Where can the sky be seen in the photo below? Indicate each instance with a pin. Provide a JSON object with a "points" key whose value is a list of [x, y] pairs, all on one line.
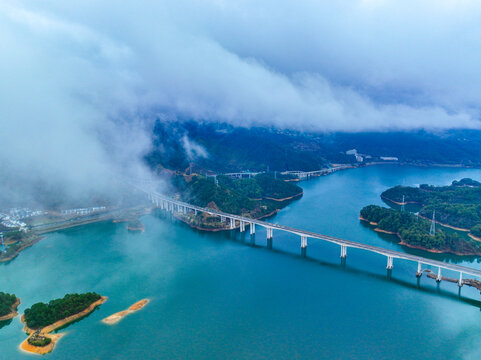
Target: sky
{"points": [[82, 82]]}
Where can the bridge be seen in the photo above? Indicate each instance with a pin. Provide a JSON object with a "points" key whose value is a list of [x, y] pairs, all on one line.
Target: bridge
{"points": [[236, 221], [301, 175]]}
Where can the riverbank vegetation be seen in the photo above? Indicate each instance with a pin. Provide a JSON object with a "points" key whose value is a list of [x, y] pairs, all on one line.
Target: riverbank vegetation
{"points": [[41, 315], [414, 231], [457, 205], [7, 301]]}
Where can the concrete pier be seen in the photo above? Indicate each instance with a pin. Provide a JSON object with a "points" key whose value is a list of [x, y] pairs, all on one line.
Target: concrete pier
{"points": [[419, 272], [269, 233], [343, 251], [389, 263], [303, 241], [252, 228]]}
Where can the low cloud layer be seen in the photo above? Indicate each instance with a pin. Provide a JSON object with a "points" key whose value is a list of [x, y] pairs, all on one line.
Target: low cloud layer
{"points": [[81, 83]]}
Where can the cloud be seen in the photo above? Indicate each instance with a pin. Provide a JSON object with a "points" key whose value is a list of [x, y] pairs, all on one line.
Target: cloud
{"points": [[81, 83], [192, 149]]}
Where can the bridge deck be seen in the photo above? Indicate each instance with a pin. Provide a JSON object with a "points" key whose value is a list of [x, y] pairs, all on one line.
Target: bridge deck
{"points": [[313, 235]]}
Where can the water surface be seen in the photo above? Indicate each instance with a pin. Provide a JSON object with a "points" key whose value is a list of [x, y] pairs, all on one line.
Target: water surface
{"points": [[216, 297]]}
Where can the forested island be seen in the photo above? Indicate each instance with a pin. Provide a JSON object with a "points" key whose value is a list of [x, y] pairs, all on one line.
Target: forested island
{"points": [[43, 318], [256, 197], [457, 205], [414, 231], [8, 306], [41, 314]]}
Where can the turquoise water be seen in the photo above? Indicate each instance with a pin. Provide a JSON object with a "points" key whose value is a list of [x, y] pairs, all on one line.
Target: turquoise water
{"points": [[213, 296]]}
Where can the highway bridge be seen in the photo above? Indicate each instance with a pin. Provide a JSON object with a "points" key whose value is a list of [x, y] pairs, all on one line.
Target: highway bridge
{"points": [[301, 175], [236, 221]]}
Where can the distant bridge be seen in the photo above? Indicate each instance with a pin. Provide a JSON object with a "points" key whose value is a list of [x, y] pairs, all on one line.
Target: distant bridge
{"points": [[234, 221], [301, 175]]}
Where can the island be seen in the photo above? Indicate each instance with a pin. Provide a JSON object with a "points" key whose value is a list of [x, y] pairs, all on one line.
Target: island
{"points": [[41, 319], [257, 197], [115, 318], [8, 306], [457, 206]]}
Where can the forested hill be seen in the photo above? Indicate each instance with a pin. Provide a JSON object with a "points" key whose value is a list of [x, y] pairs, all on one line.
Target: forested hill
{"points": [[227, 148], [414, 231], [255, 197], [458, 204]]}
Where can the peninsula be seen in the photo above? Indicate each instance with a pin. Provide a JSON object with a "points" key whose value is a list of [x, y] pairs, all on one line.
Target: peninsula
{"points": [[41, 319]]}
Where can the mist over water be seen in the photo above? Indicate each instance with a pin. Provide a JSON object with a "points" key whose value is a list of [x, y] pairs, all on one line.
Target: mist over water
{"points": [[214, 296]]}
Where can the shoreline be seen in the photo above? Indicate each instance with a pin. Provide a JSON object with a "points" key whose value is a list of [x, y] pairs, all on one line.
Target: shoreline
{"points": [[13, 312], [475, 238], [67, 225], [115, 318], [45, 331], [419, 247], [287, 198]]}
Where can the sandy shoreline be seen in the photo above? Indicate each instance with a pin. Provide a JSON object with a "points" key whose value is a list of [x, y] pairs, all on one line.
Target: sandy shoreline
{"points": [[115, 318], [41, 350], [475, 238], [287, 198], [13, 313]]}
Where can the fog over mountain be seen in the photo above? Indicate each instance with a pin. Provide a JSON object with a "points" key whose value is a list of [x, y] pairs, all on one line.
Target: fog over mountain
{"points": [[82, 83]]}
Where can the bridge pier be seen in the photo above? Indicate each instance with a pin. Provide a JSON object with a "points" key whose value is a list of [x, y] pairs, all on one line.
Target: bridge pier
{"points": [[242, 226], [389, 263], [460, 281], [252, 228], [439, 277], [419, 272], [269, 233], [303, 241], [231, 223], [343, 251]]}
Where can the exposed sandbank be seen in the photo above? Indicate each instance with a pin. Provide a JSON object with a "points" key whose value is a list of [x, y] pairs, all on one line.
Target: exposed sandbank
{"points": [[115, 318]]}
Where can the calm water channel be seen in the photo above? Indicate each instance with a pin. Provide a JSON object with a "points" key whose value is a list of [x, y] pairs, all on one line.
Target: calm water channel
{"points": [[215, 297]]}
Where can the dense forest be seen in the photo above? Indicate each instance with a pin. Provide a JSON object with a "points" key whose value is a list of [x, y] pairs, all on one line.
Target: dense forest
{"points": [[41, 314], [6, 302], [251, 197], [457, 205], [414, 231], [227, 148]]}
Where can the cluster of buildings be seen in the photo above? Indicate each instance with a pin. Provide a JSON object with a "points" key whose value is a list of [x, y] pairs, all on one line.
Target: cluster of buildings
{"points": [[83, 211], [12, 219], [362, 157]]}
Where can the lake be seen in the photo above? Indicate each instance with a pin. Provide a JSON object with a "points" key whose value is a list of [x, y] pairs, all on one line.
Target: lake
{"points": [[215, 296]]}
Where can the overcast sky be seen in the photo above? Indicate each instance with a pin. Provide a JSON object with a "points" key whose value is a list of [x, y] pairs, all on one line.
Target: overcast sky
{"points": [[83, 80]]}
